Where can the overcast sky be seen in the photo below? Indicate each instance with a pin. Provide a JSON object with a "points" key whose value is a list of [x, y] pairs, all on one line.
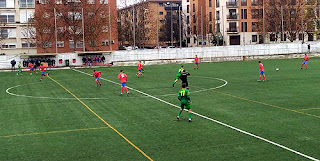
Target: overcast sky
{"points": [[122, 3]]}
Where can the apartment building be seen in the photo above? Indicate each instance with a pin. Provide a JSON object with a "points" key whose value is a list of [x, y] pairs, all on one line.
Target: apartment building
{"points": [[76, 26], [14, 28], [150, 19]]}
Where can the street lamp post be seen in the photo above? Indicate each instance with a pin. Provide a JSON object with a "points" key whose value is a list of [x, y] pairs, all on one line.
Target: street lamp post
{"points": [[171, 13]]}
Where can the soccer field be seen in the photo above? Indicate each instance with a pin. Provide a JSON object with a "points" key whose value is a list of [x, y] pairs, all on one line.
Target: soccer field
{"points": [[67, 117]]}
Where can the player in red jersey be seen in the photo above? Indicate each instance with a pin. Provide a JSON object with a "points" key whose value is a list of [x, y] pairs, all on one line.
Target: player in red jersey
{"points": [[43, 69], [123, 79], [31, 68], [261, 72], [305, 61], [140, 69], [97, 75], [196, 62]]}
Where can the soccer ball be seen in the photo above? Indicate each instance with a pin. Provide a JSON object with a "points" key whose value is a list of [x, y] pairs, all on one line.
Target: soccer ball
{"points": [[277, 69]]}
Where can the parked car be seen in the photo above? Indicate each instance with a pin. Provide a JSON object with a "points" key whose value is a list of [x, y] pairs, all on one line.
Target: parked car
{"points": [[170, 47], [131, 47]]}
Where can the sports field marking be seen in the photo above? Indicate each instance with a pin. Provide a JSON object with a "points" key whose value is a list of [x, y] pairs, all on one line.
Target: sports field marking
{"points": [[52, 132], [216, 121], [309, 109], [143, 153], [107, 98]]}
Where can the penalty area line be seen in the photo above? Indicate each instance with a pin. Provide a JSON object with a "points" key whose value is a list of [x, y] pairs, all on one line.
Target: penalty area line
{"points": [[213, 120]]}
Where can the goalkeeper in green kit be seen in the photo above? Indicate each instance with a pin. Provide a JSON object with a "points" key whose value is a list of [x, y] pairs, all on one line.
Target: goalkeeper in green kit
{"points": [[184, 97]]}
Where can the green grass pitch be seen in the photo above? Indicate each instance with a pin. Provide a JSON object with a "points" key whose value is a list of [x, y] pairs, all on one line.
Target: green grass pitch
{"points": [[42, 121]]}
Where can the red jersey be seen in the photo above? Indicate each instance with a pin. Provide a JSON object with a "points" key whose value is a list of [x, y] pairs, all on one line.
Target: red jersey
{"points": [[139, 66], [96, 74], [30, 65], [122, 77], [261, 67], [196, 59], [43, 68], [306, 58]]}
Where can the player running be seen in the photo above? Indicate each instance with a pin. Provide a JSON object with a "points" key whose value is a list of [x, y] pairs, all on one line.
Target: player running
{"points": [[261, 72], [139, 69], [43, 70], [305, 61], [196, 62], [178, 75], [31, 68], [97, 75], [20, 69], [123, 79], [184, 78], [184, 97]]}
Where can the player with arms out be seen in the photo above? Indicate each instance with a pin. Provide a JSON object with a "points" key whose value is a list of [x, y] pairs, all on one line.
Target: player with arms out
{"points": [[43, 70], [185, 100], [184, 78], [139, 69], [123, 79], [31, 68], [305, 61], [261, 72], [178, 75], [97, 75], [196, 62], [20, 69]]}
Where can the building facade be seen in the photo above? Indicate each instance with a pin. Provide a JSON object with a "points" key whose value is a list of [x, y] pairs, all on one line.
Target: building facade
{"points": [[75, 26], [14, 37], [152, 23]]}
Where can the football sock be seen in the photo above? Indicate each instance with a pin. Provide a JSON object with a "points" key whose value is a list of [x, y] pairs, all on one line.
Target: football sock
{"points": [[264, 78], [179, 113], [121, 89], [190, 115], [301, 66], [260, 77], [41, 77], [125, 88], [306, 66]]}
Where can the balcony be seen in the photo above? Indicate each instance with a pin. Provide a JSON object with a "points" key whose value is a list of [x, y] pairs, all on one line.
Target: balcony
{"points": [[232, 17], [232, 30], [232, 4], [217, 18]]}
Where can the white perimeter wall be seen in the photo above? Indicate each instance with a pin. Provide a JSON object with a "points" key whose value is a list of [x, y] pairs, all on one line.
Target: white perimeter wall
{"points": [[184, 55]]}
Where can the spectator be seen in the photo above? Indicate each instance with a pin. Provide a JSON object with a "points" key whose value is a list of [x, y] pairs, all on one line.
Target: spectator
{"points": [[24, 63], [89, 61], [100, 60], [13, 63], [53, 62], [309, 48], [83, 60], [103, 59]]}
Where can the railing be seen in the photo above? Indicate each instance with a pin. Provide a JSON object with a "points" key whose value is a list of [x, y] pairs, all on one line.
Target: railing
{"points": [[233, 16], [232, 4], [233, 29]]}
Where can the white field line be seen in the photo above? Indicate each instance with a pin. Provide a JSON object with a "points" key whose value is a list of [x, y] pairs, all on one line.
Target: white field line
{"points": [[216, 121]]}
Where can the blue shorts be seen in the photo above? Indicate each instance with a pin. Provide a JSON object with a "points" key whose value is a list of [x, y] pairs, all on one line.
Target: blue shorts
{"points": [[97, 79], [261, 72], [123, 84], [196, 63], [140, 71], [31, 69], [42, 73], [305, 62]]}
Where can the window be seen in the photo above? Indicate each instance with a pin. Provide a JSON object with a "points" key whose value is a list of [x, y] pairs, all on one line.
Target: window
{"points": [[217, 3], [272, 37], [9, 46], [46, 30], [194, 19], [104, 28], [243, 2], [60, 29], [188, 6], [71, 44], [244, 14], [47, 44], [256, 13], [79, 44], [188, 19], [283, 37], [103, 1], [218, 27], [194, 7], [160, 13], [25, 16], [105, 42], [103, 15], [254, 26], [60, 44], [74, 15], [44, 1], [92, 43], [58, 15], [75, 29], [26, 3], [210, 28], [46, 15], [210, 3], [7, 17], [194, 29], [210, 16], [301, 36], [91, 2], [3, 3], [244, 27], [254, 38], [4, 33], [58, 1], [160, 4], [217, 15]]}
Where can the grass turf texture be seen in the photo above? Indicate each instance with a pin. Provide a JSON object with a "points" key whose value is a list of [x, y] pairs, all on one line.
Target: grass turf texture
{"points": [[268, 109]]}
